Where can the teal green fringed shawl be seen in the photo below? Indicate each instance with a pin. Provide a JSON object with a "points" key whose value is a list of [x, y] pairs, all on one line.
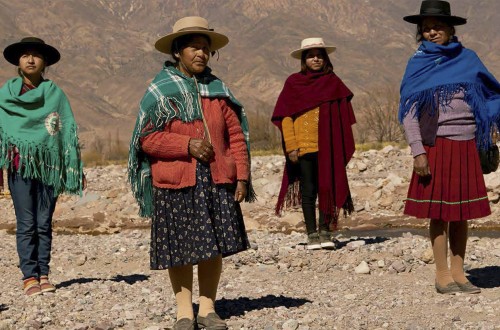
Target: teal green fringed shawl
{"points": [[172, 95], [41, 125]]}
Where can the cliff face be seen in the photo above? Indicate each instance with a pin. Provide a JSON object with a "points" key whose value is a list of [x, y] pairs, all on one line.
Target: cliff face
{"points": [[108, 56]]}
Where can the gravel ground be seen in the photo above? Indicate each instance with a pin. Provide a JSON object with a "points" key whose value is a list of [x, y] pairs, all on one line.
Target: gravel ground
{"points": [[104, 282]]}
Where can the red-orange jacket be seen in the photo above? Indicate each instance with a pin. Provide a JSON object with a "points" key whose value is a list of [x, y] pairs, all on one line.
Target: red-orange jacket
{"points": [[173, 167]]}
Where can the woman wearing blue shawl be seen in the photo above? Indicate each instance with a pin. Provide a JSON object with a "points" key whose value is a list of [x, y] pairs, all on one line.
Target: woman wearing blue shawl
{"points": [[449, 107]]}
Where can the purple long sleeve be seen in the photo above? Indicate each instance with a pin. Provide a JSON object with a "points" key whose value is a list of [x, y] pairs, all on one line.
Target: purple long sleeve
{"points": [[455, 122]]}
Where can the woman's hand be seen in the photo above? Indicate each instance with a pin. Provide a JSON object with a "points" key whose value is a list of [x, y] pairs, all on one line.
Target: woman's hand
{"points": [[421, 165], [241, 191], [201, 149], [294, 156]]}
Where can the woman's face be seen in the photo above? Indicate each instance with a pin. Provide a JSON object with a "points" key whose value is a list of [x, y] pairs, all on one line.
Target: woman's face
{"points": [[314, 60], [31, 63], [193, 58], [436, 31]]}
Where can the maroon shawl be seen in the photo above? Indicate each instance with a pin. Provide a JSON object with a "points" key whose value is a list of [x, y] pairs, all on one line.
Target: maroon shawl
{"points": [[301, 93]]}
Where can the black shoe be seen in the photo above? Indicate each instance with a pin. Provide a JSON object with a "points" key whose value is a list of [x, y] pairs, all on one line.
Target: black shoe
{"points": [[325, 239], [313, 242]]}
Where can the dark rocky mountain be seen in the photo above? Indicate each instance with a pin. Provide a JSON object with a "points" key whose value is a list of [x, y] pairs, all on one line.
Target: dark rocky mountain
{"points": [[108, 56]]}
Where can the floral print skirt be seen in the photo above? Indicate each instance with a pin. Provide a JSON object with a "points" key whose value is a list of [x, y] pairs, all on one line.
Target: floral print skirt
{"points": [[197, 223]]}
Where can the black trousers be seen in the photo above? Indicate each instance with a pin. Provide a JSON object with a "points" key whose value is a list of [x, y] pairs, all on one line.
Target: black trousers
{"points": [[309, 191]]}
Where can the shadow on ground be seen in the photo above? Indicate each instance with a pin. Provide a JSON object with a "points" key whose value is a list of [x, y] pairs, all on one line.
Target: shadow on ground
{"points": [[486, 277], [370, 240], [3, 307], [238, 307], [129, 279]]}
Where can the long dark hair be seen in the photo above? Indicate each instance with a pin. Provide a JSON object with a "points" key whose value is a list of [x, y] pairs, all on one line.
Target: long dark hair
{"points": [[327, 66]]}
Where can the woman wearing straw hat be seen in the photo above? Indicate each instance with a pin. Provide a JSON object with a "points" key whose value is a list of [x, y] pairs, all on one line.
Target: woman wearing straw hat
{"points": [[449, 104], [189, 168], [39, 147], [314, 115]]}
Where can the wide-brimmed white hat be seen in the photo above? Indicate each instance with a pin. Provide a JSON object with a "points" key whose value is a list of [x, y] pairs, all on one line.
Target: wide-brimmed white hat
{"points": [[310, 43], [191, 25]]}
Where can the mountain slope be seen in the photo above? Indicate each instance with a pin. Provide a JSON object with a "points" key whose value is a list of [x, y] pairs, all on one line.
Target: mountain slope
{"points": [[108, 56]]}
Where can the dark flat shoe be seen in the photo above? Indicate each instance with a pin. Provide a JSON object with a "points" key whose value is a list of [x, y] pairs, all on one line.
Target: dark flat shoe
{"points": [[211, 322], [184, 324], [451, 288], [468, 287]]}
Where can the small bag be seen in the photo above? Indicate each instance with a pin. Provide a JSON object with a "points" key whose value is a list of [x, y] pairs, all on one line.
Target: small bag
{"points": [[491, 157]]}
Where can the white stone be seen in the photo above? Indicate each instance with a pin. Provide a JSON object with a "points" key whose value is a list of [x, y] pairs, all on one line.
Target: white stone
{"points": [[362, 268]]}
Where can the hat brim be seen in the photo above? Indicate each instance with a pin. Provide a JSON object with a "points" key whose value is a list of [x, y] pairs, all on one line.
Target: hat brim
{"points": [[297, 54], [13, 52], [217, 40], [452, 20]]}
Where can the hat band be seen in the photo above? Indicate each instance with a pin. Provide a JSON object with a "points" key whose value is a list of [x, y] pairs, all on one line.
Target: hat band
{"points": [[430, 11], [314, 45], [194, 28]]}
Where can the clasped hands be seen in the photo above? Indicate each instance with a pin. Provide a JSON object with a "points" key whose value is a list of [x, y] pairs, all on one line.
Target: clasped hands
{"points": [[203, 151]]}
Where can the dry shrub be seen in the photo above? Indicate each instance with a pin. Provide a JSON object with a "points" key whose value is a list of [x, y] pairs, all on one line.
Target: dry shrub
{"points": [[377, 116], [264, 136], [105, 151]]}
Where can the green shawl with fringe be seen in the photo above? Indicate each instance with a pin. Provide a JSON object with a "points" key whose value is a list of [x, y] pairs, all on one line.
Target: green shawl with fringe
{"points": [[171, 95], [41, 125]]}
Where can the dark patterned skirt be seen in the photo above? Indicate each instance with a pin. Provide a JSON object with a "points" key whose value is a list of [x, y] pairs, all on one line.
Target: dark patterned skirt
{"points": [[455, 191], [197, 223]]}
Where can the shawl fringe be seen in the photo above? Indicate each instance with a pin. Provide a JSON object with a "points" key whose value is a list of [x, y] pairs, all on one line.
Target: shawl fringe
{"points": [[38, 162], [158, 109], [432, 99]]}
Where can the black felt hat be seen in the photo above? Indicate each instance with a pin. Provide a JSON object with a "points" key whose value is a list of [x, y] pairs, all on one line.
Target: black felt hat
{"points": [[13, 52], [438, 9]]}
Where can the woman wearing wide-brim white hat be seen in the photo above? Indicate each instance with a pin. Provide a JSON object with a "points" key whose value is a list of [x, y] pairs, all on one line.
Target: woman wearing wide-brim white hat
{"points": [[314, 115], [310, 43], [191, 25], [189, 167]]}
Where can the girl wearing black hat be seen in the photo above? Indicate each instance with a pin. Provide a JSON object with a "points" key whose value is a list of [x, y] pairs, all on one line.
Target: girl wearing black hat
{"points": [[39, 147], [450, 105]]}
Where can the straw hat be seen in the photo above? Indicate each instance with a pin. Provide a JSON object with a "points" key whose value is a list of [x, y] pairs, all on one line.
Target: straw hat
{"points": [[13, 52], [191, 25], [435, 8], [309, 43]]}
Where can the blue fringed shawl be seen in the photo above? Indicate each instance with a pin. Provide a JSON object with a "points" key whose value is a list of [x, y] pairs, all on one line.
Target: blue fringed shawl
{"points": [[436, 73]]}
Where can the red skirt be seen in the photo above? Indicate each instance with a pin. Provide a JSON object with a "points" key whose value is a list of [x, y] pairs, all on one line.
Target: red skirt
{"points": [[455, 191]]}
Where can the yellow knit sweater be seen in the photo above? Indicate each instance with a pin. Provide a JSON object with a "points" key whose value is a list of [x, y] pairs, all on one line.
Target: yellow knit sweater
{"points": [[301, 134]]}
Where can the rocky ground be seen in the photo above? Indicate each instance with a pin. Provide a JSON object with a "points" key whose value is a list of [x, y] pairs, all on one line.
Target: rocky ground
{"points": [[378, 278]]}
